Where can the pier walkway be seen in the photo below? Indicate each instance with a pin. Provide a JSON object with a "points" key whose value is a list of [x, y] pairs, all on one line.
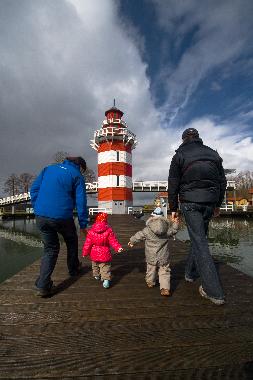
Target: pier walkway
{"points": [[127, 331]]}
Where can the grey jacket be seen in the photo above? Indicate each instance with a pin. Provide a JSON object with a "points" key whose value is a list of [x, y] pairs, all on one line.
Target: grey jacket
{"points": [[156, 236]]}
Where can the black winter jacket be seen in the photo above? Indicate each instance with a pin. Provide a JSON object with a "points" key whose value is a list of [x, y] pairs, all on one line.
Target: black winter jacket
{"points": [[196, 175]]}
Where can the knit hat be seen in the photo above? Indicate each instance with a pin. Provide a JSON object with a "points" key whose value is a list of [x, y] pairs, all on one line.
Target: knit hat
{"points": [[78, 161], [190, 132], [101, 217], [157, 212]]}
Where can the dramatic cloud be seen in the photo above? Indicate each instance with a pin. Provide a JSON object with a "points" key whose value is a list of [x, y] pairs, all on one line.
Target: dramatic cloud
{"points": [[64, 61], [205, 35], [62, 64]]}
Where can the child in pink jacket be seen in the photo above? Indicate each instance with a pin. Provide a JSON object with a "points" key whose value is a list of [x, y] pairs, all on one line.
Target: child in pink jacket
{"points": [[97, 244]]}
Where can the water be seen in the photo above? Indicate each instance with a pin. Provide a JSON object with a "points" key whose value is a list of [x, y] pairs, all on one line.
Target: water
{"points": [[20, 246], [230, 240]]}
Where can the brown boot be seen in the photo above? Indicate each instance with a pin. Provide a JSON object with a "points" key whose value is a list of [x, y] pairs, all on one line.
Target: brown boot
{"points": [[165, 292], [150, 284]]}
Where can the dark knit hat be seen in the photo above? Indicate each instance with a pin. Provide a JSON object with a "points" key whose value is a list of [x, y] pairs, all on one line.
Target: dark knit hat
{"points": [[78, 161], [190, 132]]}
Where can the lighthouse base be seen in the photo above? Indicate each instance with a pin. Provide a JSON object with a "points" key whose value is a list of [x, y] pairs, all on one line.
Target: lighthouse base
{"points": [[117, 207]]}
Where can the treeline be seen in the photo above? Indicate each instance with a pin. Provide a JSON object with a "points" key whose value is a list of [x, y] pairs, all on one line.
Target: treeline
{"points": [[243, 181], [21, 183]]}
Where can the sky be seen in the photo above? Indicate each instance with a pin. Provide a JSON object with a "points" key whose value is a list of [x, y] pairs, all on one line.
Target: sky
{"points": [[170, 65]]}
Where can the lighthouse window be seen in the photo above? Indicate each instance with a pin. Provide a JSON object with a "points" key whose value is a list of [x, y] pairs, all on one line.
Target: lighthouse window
{"points": [[117, 184], [117, 157]]}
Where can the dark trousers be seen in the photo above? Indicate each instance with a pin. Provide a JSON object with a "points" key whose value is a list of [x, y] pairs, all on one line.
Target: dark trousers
{"points": [[49, 229], [200, 262]]}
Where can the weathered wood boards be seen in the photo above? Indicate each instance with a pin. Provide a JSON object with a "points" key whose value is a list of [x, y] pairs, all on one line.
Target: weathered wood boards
{"points": [[127, 331]]}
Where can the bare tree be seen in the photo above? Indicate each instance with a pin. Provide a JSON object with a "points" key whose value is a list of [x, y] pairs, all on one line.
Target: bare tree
{"points": [[244, 181], [229, 171], [25, 181], [60, 156], [89, 175], [11, 185]]}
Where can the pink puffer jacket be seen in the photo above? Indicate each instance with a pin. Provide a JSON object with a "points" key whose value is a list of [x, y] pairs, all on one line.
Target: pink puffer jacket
{"points": [[98, 241]]}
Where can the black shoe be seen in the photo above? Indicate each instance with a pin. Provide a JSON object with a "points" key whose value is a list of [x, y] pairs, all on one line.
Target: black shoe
{"points": [[43, 292], [40, 292], [77, 271]]}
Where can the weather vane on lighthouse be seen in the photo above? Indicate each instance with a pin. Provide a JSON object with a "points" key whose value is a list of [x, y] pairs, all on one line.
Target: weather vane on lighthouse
{"points": [[114, 143]]}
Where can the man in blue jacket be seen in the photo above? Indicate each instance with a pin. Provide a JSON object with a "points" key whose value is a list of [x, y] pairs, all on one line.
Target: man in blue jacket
{"points": [[197, 177], [55, 193]]}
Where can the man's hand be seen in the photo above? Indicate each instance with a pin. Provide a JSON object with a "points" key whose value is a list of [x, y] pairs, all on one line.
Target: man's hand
{"points": [[130, 245], [216, 212], [174, 216], [83, 232]]}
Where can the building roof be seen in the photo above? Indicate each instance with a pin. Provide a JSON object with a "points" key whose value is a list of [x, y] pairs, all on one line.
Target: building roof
{"points": [[114, 109]]}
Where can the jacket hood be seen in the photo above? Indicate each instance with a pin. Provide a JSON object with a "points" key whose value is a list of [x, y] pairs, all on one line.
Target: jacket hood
{"points": [[100, 227], [157, 225], [193, 140]]}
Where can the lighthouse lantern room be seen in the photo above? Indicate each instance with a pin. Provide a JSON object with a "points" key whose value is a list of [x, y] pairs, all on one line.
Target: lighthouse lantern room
{"points": [[114, 143]]}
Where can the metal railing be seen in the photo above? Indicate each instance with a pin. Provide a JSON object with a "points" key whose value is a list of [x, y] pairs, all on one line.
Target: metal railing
{"points": [[231, 184], [92, 187], [132, 209], [150, 186], [227, 207], [96, 210], [108, 133]]}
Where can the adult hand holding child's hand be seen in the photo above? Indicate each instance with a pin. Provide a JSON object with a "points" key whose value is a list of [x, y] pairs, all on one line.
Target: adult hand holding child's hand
{"points": [[83, 232]]}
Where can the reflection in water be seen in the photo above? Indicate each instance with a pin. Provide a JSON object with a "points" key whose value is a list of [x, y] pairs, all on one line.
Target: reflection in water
{"points": [[20, 238], [231, 241], [20, 246]]}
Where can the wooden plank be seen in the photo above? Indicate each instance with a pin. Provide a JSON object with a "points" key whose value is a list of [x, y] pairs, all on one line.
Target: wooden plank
{"points": [[128, 331], [132, 361]]}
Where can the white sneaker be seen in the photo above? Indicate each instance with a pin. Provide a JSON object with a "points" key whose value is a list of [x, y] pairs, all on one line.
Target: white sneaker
{"points": [[106, 284], [216, 301], [188, 279]]}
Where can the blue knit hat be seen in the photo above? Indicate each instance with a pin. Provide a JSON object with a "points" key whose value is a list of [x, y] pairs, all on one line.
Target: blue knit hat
{"points": [[157, 212]]}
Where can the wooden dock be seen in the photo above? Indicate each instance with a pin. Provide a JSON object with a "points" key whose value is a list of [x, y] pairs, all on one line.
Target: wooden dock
{"points": [[127, 331]]}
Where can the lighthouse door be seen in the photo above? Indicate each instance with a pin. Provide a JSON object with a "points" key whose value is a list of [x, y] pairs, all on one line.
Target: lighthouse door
{"points": [[118, 207]]}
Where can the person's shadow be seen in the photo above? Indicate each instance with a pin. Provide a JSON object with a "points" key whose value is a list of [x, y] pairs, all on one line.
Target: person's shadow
{"points": [[132, 261], [65, 284]]}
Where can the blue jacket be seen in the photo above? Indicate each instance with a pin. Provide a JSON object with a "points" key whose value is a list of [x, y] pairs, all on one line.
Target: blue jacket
{"points": [[58, 190]]}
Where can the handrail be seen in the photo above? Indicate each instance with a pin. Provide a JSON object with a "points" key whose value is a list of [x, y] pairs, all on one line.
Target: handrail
{"points": [[92, 187], [96, 210], [227, 207]]}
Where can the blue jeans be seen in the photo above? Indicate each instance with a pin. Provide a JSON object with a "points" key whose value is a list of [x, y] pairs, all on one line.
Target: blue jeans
{"points": [[200, 262], [49, 229]]}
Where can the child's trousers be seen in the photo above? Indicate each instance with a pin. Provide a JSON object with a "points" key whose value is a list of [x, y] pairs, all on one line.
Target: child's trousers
{"points": [[102, 269], [163, 273]]}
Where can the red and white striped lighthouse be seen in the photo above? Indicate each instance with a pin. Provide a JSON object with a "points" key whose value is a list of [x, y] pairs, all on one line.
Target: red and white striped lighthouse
{"points": [[114, 143]]}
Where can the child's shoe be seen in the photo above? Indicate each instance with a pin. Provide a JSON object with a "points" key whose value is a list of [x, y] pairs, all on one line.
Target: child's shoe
{"points": [[97, 278], [150, 284], [106, 284], [165, 292]]}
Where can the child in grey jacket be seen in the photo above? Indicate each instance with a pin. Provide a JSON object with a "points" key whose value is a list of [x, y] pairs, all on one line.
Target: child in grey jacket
{"points": [[156, 235]]}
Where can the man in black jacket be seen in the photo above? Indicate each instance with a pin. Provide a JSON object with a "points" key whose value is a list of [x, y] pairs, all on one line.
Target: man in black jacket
{"points": [[197, 178]]}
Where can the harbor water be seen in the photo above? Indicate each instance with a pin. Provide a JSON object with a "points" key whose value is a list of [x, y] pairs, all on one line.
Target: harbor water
{"points": [[230, 240]]}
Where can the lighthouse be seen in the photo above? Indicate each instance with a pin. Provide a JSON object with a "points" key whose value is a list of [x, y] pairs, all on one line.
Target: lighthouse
{"points": [[114, 143]]}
